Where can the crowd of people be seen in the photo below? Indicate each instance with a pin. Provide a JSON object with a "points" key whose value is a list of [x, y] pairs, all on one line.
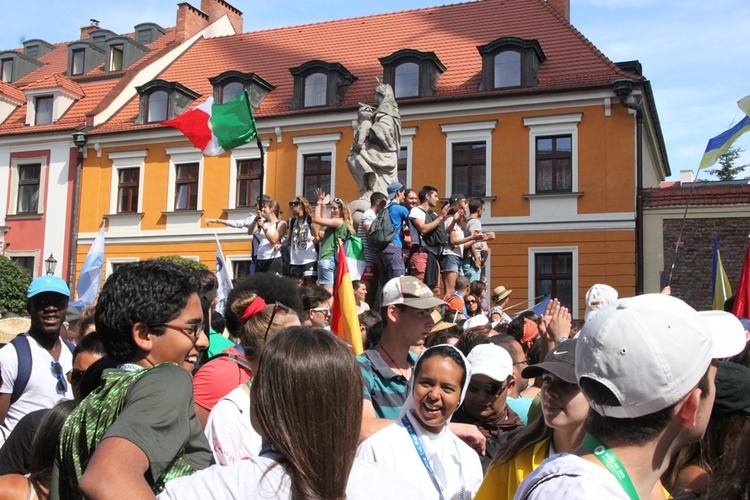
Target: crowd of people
{"points": [[154, 393]]}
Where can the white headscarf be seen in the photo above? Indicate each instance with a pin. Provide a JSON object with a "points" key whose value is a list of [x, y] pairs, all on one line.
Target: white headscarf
{"points": [[409, 403]]}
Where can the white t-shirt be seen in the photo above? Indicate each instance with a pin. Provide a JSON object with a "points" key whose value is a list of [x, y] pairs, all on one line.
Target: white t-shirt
{"points": [[250, 479], [416, 236], [229, 431], [457, 250], [475, 225], [571, 477], [41, 391], [266, 250], [367, 219], [449, 457], [302, 249]]}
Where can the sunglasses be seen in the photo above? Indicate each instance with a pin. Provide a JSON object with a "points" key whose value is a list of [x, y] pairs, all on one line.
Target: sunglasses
{"points": [[471, 301], [75, 375], [191, 330], [57, 372], [490, 389], [278, 306], [295, 203]]}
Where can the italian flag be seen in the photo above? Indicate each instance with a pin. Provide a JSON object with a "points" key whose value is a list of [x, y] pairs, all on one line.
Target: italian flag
{"points": [[216, 128]]}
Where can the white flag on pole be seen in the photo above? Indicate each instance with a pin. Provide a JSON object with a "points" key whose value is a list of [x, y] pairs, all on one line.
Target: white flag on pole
{"points": [[90, 279], [223, 277]]}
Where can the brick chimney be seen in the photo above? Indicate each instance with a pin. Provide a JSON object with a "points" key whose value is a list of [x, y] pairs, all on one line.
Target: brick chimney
{"points": [[189, 21], [562, 7], [218, 8], [86, 30]]}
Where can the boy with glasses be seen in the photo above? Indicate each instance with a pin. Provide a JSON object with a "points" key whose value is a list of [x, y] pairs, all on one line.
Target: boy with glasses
{"points": [[485, 403], [316, 301], [139, 429]]}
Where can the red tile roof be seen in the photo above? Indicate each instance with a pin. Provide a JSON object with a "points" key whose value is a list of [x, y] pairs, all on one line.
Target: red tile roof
{"points": [[12, 92], [703, 194], [96, 94], [56, 81], [453, 32]]}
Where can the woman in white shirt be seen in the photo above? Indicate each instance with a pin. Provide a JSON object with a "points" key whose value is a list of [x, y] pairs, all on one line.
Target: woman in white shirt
{"points": [[420, 445], [306, 404], [267, 238], [302, 237]]}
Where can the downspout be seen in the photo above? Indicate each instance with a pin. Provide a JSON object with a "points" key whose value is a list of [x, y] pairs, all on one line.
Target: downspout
{"points": [[622, 88]]}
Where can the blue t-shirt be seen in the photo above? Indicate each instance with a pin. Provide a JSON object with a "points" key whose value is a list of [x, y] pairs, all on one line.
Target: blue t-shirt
{"points": [[399, 216], [521, 406]]}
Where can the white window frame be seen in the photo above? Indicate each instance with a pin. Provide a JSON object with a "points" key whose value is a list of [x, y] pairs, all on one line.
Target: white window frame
{"points": [[180, 156], [542, 126], [62, 99], [316, 144], [248, 151], [14, 176], [118, 260], [122, 160], [230, 260], [407, 136], [26, 253], [573, 250], [468, 132]]}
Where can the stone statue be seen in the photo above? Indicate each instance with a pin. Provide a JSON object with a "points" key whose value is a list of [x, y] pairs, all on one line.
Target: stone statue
{"points": [[373, 157]]}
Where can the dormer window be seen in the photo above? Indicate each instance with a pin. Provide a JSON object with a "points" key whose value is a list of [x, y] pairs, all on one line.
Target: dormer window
{"points": [[43, 110], [318, 83], [83, 56], [316, 86], [79, 57], [412, 73], [510, 62], [162, 100], [6, 70], [147, 33], [121, 52], [230, 84], [36, 48]]}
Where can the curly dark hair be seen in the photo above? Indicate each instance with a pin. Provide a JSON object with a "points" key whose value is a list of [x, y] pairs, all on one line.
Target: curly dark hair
{"points": [[151, 292]]}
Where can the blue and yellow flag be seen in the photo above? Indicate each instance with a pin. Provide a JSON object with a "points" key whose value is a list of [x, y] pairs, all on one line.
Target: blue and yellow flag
{"points": [[722, 142], [721, 288]]}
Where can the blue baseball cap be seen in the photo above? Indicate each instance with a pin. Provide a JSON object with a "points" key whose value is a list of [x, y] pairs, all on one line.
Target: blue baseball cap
{"points": [[48, 284], [393, 188]]}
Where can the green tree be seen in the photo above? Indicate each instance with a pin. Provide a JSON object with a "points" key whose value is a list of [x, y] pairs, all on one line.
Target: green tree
{"points": [[181, 261], [728, 171], [14, 282]]}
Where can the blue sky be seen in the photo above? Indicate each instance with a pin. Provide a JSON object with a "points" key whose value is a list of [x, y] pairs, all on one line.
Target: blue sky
{"points": [[694, 52]]}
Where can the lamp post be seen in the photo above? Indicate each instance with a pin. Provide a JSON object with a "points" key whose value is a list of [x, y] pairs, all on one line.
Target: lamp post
{"points": [[79, 139], [50, 263]]}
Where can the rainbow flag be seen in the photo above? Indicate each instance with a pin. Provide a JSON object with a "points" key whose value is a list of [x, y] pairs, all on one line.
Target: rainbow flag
{"points": [[722, 290], [344, 320]]}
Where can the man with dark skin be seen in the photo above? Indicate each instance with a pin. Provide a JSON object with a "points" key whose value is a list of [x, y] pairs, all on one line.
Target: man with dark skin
{"points": [[47, 305]]}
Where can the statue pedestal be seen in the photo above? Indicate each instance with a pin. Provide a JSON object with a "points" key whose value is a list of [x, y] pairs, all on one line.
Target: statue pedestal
{"points": [[358, 207]]}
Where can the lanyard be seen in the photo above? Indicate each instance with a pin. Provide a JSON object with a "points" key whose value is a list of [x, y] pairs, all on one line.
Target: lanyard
{"points": [[611, 462], [423, 456]]}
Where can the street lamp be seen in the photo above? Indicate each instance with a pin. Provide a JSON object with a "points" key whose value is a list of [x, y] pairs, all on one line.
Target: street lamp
{"points": [[79, 139], [50, 264]]}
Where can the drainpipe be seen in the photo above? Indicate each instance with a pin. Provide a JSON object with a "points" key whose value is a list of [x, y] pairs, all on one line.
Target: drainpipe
{"points": [[622, 88]]}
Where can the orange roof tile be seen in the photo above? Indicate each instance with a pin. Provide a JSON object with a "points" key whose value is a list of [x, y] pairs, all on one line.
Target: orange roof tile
{"points": [[703, 193], [56, 81], [453, 32], [12, 92]]}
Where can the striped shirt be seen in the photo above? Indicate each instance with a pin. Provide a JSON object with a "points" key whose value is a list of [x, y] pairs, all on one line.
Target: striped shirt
{"points": [[384, 388]]}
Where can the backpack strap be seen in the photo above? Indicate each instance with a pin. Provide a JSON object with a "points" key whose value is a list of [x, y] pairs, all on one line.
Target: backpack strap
{"points": [[23, 352]]}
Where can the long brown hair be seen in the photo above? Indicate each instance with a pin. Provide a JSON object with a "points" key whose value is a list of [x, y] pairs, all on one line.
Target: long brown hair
{"points": [[519, 440], [307, 398], [346, 214]]}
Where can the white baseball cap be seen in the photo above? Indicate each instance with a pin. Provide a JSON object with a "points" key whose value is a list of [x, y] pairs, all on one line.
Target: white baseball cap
{"points": [[597, 298], [491, 360], [478, 320], [651, 351]]}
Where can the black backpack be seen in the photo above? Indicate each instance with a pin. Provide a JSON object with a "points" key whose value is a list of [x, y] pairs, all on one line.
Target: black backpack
{"points": [[382, 231], [438, 237]]}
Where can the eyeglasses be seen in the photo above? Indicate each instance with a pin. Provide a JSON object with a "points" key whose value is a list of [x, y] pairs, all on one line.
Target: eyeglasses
{"points": [[75, 375], [524, 362], [471, 301], [191, 330], [57, 372], [324, 310], [490, 389], [278, 306]]}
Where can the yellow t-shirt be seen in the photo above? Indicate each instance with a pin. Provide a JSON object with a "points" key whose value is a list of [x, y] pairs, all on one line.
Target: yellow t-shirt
{"points": [[502, 480]]}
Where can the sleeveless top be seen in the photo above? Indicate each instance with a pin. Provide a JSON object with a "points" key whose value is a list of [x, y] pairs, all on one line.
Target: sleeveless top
{"points": [[266, 249], [302, 249]]}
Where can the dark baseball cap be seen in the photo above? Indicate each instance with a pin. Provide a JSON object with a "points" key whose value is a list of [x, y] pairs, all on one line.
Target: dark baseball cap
{"points": [[560, 362]]}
